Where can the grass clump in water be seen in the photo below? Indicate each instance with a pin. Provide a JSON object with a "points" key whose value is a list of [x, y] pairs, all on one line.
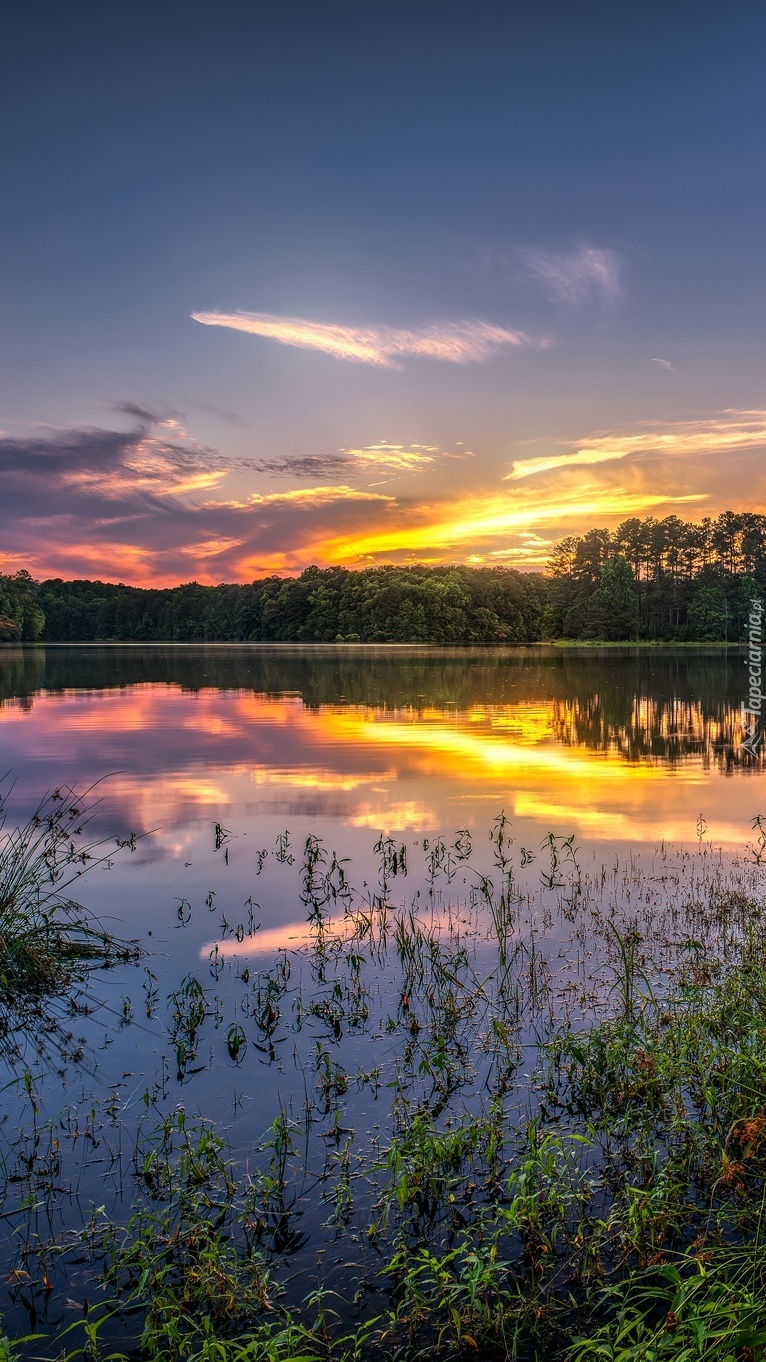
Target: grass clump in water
{"points": [[47, 940]]}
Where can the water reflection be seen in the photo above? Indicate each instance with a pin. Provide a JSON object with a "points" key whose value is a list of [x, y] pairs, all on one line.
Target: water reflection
{"points": [[614, 746], [226, 1017]]}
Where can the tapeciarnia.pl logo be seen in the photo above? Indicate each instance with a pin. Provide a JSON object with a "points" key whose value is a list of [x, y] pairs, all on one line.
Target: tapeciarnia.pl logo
{"points": [[752, 708]]}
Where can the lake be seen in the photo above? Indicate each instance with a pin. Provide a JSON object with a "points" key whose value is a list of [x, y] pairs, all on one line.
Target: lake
{"points": [[614, 745], [315, 842]]}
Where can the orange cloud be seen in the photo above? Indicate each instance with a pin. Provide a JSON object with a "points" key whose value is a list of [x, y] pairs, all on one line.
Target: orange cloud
{"points": [[730, 431]]}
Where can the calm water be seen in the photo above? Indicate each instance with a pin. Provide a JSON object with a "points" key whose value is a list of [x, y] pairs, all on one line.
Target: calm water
{"points": [[617, 754], [611, 746]]}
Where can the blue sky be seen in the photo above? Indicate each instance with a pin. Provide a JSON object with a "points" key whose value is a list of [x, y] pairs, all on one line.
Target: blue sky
{"points": [[499, 233]]}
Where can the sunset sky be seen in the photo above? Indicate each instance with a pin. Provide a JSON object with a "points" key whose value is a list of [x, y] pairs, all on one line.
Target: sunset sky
{"points": [[363, 283]]}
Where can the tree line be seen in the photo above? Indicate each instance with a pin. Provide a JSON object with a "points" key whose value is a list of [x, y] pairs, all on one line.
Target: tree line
{"points": [[374, 605], [665, 580], [669, 580]]}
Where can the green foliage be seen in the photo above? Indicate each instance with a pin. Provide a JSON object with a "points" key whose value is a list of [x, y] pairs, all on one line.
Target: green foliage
{"points": [[651, 579], [707, 1309], [613, 609], [374, 605], [44, 935], [707, 612], [21, 618]]}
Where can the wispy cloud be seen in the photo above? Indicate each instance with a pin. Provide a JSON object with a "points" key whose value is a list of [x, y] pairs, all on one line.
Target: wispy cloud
{"points": [[574, 276], [383, 457], [147, 416], [727, 433], [527, 468], [664, 364], [303, 466], [462, 342], [303, 496], [397, 458]]}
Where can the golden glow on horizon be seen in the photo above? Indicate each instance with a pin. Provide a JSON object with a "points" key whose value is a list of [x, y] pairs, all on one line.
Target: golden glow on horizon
{"points": [[491, 517], [161, 515]]}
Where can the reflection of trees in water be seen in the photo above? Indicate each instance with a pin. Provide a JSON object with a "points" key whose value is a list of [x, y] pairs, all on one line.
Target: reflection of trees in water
{"points": [[663, 705], [22, 672], [658, 706], [668, 729]]}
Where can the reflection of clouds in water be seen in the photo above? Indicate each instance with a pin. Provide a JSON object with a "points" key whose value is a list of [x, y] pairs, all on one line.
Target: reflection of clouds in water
{"points": [[404, 816], [641, 824], [286, 937], [290, 935], [314, 780], [613, 764]]}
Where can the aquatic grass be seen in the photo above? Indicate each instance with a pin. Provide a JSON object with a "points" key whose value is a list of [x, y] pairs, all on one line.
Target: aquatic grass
{"points": [[540, 1177], [49, 944], [44, 933], [709, 1306]]}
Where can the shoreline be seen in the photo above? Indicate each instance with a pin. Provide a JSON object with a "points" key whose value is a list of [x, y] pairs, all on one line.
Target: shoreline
{"points": [[564, 645]]}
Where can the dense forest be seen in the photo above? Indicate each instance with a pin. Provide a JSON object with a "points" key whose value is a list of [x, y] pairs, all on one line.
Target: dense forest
{"points": [[658, 579], [375, 605], [663, 580]]}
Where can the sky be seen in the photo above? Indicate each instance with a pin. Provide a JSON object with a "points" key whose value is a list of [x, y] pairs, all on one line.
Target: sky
{"points": [[374, 283]]}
